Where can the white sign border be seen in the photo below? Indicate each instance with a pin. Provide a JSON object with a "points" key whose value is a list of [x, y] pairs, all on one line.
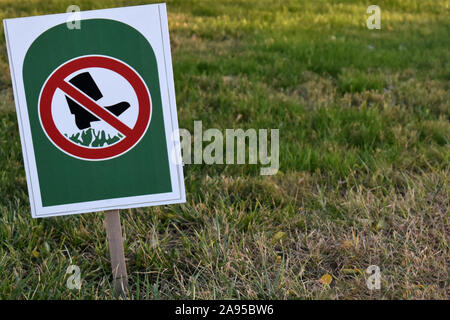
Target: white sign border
{"points": [[162, 50]]}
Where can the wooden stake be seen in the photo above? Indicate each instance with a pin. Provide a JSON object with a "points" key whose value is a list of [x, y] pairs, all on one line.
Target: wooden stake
{"points": [[118, 266]]}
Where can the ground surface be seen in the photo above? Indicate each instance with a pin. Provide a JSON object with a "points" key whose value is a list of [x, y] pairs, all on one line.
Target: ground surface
{"points": [[364, 177]]}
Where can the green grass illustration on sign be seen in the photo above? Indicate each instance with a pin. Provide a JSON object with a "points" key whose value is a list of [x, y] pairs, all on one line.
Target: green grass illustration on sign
{"points": [[93, 138]]}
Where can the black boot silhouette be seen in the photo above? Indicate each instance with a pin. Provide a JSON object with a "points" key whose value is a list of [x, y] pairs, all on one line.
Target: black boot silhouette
{"points": [[83, 118]]}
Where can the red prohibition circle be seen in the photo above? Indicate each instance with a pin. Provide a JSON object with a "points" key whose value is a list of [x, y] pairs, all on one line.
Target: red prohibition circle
{"points": [[57, 81]]}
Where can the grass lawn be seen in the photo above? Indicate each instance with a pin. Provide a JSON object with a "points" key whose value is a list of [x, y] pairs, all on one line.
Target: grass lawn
{"points": [[364, 161]]}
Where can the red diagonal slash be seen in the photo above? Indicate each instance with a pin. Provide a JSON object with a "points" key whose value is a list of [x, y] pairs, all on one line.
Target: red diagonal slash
{"points": [[57, 80], [94, 108]]}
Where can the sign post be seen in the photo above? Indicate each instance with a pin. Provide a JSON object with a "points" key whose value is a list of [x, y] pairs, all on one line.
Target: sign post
{"points": [[97, 115], [115, 242]]}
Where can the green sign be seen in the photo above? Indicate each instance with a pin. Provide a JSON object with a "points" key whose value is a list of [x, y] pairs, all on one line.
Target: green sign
{"points": [[96, 110]]}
